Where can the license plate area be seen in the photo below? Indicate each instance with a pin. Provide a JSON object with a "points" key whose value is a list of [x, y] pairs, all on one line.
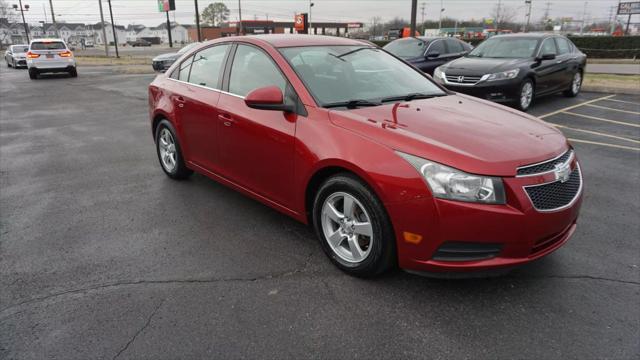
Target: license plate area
{"points": [[49, 56]]}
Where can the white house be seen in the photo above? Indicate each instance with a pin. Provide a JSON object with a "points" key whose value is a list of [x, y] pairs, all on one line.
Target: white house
{"points": [[179, 33], [121, 33]]}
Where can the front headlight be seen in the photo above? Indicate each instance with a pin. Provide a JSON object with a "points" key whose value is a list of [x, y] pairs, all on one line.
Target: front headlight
{"points": [[449, 183], [438, 73], [505, 75]]}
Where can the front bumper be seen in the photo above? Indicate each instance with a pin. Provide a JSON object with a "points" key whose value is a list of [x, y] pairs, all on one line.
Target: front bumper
{"points": [[498, 91], [21, 62], [518, 231]]}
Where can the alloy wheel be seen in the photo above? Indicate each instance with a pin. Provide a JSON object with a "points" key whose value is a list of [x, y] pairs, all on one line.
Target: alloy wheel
{"points": [[167, 147], [347, 227], [526, 94], [577, 82]]}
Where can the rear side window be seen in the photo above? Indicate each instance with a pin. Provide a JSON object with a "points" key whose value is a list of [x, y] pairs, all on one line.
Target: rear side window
{"points": [[406, 48], [207, 65], [454, 46], [183, 71], [53, 45], [437, 47], [563, 46], [253, 69]]}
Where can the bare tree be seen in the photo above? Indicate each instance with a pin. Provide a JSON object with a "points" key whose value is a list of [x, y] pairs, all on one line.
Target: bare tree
{"points": [[6, 14], [503, 14], [376, 25], [215, 13]]}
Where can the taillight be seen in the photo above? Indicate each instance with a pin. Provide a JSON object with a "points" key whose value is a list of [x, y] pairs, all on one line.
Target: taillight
{"points": [[31, 55], [65, 54]]}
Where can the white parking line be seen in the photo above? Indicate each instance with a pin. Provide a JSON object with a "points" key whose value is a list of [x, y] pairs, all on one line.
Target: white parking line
{"points": [[596, 133], [602, 119], [604, 144], [612, 109], [576, 106], [624, 101]]}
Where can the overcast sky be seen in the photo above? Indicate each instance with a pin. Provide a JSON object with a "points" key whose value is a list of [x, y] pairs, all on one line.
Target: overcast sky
{"points": [[145, 11]]}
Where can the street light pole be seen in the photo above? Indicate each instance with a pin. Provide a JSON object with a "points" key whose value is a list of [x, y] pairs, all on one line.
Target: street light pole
{"points": [[414, 10], [53, 19], [169, 30], [440, 21], [240, 16], [24, 22], [309, 19]]}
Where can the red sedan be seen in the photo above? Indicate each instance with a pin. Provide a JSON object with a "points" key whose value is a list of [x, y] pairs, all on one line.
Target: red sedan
{"points": [[389, 167]]}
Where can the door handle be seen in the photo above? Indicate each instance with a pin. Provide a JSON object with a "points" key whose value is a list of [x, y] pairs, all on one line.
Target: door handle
{"points": [[180, 101], [226, 119]]}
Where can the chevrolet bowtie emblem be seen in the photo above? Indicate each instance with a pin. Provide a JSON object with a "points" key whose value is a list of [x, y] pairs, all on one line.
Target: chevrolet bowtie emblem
{"points": [[562, 172]]}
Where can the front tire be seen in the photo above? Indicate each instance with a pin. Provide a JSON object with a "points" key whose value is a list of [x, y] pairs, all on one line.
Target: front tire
{"points": [[575, 86], [525, 95], [33, 74], [170, 153], [353, 227], [8, 65]]}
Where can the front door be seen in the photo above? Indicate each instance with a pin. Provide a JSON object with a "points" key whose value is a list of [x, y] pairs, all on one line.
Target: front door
{"points": [[256, 146], [549, 73]]}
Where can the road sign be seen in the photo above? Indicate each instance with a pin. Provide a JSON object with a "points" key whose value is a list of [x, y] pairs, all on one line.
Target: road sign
{"points": [[629, 8], [300, 22], [166, 5]]}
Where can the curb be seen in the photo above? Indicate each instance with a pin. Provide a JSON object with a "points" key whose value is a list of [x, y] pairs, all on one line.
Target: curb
{"points": [[611, 90]]}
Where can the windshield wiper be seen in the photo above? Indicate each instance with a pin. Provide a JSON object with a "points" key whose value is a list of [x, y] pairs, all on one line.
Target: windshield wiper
{"points": [[356, 50], [352, 104], [412, 96]]}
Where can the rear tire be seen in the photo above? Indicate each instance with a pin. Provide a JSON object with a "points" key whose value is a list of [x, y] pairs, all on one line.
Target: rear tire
{"points": [[73, 72], [575, 86], [169, 152], [33, 74], [361, 241]]}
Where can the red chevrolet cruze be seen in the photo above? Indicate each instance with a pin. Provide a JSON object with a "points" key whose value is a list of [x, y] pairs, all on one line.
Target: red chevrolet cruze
{"points": [[389, 167]]}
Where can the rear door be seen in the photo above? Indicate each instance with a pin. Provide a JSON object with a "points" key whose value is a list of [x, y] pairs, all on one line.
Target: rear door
{"points": [[256, 146], [198, 105], [566, 57]]}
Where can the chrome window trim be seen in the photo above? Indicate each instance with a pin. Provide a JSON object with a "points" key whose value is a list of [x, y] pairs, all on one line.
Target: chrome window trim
{"points": [[206, 87], [573, 201], [542, 45], [571, 156], [431, 44]]}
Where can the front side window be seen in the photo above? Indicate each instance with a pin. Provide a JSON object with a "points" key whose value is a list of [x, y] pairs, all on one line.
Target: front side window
{"points": [[548, 47], [253, 69], [185, 67], [406, 48], [49, 45], [563, 46], [437, 47], [335, 74], [506, 47], [207, 65]]}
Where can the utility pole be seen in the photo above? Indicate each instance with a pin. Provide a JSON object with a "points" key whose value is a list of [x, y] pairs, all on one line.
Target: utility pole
{"points": [[414, 10], [53, 18], [104, 31], [584, 14], [497, 19], [440, 21], [169, 30], [422, 6], [546, 15], [24, 22], [526, 26], [198, 21], [113, 28], [240, 16]]}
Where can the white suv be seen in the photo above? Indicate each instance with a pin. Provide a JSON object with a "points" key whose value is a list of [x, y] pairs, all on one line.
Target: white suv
{"points": [[48, 56]]}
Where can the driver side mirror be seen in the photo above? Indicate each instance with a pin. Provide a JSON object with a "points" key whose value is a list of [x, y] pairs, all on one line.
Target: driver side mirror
{"points": [[433, 55], [268, 98], [548, 56]]}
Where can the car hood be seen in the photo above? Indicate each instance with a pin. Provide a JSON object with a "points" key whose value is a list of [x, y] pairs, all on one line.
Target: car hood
{"points": [[481, 66], [169, 56], [467, 133], [21, 55]]}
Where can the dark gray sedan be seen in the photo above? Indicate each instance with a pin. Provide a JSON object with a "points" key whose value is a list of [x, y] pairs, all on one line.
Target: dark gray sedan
{"points": [[164, 61]]}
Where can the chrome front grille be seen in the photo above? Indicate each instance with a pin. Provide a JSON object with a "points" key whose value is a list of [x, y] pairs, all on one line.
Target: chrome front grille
{"points": [[556, 195], [462, 79], [545, 166]]}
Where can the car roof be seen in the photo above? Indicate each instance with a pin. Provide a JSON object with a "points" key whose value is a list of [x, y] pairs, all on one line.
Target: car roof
{"points": [[47, 40], [526, 35], [292, 40]]}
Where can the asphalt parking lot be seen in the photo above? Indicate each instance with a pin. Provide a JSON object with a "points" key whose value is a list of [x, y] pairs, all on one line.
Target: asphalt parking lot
{"points": [[102, 256]]}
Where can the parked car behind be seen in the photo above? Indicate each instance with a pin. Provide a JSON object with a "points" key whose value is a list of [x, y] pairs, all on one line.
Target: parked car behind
{"points": [[140, 42], [389, 167], [427, 53], [164, 61], [517, 68], [16, 55]]}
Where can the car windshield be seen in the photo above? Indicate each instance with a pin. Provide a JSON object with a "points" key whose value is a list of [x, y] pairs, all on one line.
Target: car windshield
{"points": [[406, 48], [357, 75], [17, 49], [53, 45], [187, 48], [505, 47]]}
